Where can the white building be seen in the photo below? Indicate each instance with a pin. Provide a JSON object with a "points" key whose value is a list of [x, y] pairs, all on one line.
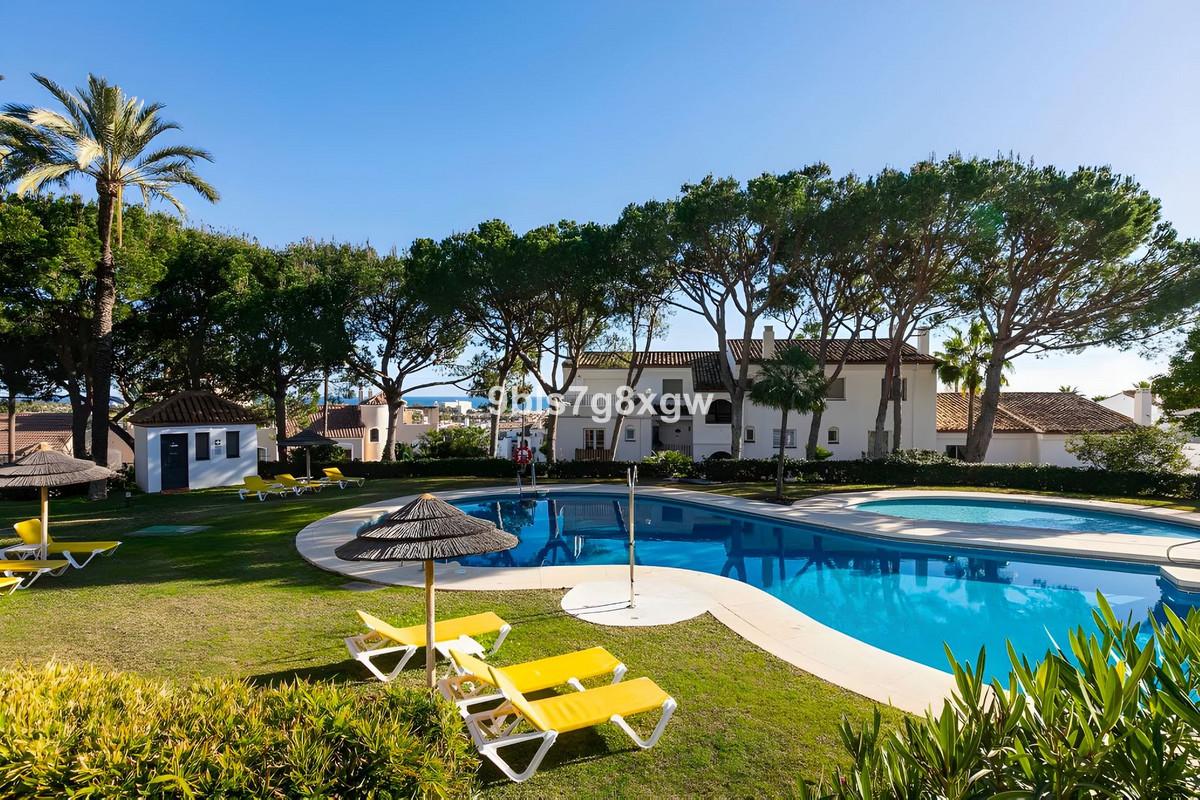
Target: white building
{"points": [[1030, 427], [360, 430], [193, 440], [1140, 405], [846, 426], [513, 432]]}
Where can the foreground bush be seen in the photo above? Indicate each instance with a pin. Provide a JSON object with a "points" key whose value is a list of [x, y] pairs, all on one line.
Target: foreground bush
{"points": [[79, 731], [1114, 717]]}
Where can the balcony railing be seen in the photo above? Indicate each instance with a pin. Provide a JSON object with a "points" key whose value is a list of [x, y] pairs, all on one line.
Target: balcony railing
{"points": [[592, 454], [686, 449]]}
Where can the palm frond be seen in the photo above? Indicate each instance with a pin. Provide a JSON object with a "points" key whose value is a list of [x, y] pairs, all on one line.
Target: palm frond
{"points": [[37, 177], [70, 102], [181, 151]]}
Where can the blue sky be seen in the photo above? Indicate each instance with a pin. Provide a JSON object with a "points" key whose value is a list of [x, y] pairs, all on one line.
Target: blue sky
{"points": [[388, 121]]}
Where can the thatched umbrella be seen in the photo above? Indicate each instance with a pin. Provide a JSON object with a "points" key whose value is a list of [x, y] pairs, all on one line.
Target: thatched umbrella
{"points": [[44, 468], [427, 529], [307, 439]]}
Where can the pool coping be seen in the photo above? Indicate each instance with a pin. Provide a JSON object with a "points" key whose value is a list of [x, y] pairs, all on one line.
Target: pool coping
{"points": [[753, 614]]}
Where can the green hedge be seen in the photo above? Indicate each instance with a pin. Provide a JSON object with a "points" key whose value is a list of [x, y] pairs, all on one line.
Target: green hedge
{"points": [[902, 470], [79, 731]]}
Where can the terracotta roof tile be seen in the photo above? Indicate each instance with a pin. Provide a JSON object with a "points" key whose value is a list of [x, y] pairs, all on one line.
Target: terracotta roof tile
{"points": [[195, 408], [345, 422], [705, 364], [1034, 412], [861, 351]]}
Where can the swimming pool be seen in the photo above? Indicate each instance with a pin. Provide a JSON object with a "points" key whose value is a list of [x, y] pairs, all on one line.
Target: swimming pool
{"points": [[907, 599], [1028, 515]]}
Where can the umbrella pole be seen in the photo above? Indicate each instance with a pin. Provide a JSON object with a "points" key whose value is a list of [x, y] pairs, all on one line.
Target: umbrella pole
{"points": [[632, 484], [45, 523], [429, 617], [308, 462]]}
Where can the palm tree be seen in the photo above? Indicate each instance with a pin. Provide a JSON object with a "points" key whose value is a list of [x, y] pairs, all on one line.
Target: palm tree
{"points": [[1068, 389], [104, 136], [962, 364], [791, 382]]}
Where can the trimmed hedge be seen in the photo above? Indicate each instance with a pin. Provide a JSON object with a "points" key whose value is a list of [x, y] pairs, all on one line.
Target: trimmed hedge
{"points": [[79, 731], [901, 471]]}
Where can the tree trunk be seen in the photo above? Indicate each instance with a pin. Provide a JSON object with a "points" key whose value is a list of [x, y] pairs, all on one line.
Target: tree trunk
{"points": [[782, 449], [279, 400], [738, 400], [878, 450], [814, 435], [897, 413], [12, 425], [79, 421], [494, 424], [981, 433], [102, 324], [552, 439], [389, 444], [970, 411]]}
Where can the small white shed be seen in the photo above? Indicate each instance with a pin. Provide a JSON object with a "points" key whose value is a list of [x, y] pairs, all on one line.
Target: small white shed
{"points": [[194, 440]]}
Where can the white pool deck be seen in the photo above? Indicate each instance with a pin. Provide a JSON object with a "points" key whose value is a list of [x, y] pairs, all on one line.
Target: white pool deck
{"points": [[763, 619]]}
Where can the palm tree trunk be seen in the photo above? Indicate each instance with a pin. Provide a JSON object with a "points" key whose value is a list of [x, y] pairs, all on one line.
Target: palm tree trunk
{"points": [[970, 411], [782, 446], [102, 334]]}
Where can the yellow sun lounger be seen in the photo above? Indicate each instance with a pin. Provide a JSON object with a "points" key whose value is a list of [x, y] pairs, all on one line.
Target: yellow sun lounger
{"points": [[77, 553], [562, 713], [9, 585], [382, 639], [252, 484], [473, 684], [28, 570], [334, 475], [297, 485]]}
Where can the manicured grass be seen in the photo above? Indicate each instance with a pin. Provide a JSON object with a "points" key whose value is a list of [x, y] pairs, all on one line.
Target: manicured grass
{"points": [[237, 600]]}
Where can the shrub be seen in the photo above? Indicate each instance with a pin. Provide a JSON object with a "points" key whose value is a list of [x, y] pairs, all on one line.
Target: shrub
{"points": [[1116, 716], [1146, 447], [821, 454], [457, 442], [673, 463], [70, 730]]}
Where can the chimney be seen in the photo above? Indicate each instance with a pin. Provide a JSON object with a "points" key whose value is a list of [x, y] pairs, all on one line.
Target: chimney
{"points": [[1143, 405], [768, 344], [923, 341]]}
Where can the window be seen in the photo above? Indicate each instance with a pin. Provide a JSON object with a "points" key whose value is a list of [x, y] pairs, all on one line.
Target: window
{"points": [[719, 413], [262, 454], [749, 437], [374, 434], [630, 433], [837, 390], [791, 438], [202, 446], [673, 386], [233, 444], [833, 436], [593, 438], [958, 451]]}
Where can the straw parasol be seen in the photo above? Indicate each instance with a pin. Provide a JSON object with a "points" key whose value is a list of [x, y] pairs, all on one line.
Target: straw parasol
{"points": [[427, 529], [307, 439], [44, 468]]}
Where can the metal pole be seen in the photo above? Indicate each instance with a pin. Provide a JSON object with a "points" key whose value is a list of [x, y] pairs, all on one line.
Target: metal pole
{"points": [[533, 472], [429, 615], [632, 478], [45, 523]]}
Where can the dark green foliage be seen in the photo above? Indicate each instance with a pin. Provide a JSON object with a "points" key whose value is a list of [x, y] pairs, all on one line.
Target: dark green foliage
{"points": [[1145, 447], [78, 729], [460, 442], [676, 464], [1115, 715]]}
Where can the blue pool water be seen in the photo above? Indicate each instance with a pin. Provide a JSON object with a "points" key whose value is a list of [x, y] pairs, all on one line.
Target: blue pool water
{"points": [[1000, 512], [901, 598]]}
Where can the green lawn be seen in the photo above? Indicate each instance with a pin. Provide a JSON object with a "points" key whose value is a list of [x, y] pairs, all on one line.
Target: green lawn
{"points": [[237, 600]]}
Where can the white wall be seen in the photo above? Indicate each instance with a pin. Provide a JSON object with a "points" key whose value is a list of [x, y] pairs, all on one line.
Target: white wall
{"points": [[218, 470], [853, 417], [1020, 448]]}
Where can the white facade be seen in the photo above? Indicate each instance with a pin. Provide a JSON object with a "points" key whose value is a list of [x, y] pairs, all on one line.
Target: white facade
{"points": [[222, 466], [1020, 447], [1140, 405], [845, 425]]}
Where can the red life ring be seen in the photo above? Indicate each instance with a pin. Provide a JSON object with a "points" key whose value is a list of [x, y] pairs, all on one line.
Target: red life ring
{"points": [[523, 454]]}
